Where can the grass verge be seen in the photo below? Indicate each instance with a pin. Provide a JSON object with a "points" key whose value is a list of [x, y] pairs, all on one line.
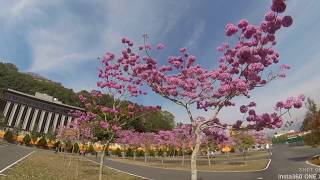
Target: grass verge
{"points": [[251, 165], [47, 165]]}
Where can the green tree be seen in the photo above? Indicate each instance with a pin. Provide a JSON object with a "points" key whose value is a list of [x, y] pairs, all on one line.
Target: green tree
{"points": [[26, 139], [3, 121], [8, 136], [34, 134], [311, 115], [50, 135], [244, 141], [312, 122]]}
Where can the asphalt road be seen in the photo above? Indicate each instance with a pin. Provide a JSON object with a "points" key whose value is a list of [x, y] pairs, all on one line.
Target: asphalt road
{"points": [[285, 161], [11, 153]]}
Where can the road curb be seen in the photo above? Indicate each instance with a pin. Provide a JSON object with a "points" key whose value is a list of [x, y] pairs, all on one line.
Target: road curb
{"points": [[309, 163], [175, 169], [16, 162], [119, 170]]}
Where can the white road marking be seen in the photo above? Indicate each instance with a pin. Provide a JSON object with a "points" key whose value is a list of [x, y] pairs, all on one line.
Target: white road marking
{"points": [[119, 170], [15, 162]]}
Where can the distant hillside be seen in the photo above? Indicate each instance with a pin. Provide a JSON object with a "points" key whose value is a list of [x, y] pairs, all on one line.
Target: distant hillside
{"points": [[30, 83]]}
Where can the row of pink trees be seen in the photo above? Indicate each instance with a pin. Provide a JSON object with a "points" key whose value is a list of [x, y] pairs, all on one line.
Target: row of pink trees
{"points": [[243, 67]]}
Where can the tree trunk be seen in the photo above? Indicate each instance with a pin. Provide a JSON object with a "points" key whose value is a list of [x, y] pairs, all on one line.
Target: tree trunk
{"points": [[194, 154], [145, 157], [134, 155], [71, 154], [208, 155], [182, 158], [101, 161], [244, 156]]}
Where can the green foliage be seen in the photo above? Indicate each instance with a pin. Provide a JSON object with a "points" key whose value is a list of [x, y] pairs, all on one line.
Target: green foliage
{"points": [[3, 122], [90, 148], [29, 83], [26, 139], [34, 134], [129, 152], [32, 83], [57, 144], [153, 122], [243, 140], [280, 139], [312, 139], [140, 153], [117, 152], [42, 142], [160, 153], [311, 115], [8, 136], [50, 135], [76, 147], [152, 153], [312, 122], [68, 146]]}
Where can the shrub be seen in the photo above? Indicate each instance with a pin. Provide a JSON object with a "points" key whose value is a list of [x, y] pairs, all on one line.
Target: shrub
{"points": [[90, 148], [129, 152], [160, 152], [8, 136], [68, 146], [57, 144], [140, 153], [151, 153], [76, 147], [26, 139], [42, 142], [117, 152]]}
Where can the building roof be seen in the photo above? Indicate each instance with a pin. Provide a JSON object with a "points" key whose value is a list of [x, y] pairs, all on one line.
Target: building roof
{"points": [[42, 99]]}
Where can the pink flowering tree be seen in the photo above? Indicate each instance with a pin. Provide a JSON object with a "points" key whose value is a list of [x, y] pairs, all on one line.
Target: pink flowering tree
{"points": [[166, 141], [184, 139], [106, 120], [249, 63], [147, 142], [212, 137], [129, 139]]}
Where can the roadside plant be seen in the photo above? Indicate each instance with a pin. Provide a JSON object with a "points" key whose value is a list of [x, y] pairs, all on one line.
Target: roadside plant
{"points": [[26, 139]]}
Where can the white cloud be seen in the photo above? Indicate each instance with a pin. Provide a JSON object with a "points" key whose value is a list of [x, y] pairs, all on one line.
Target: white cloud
{"points": [[196, 34]]}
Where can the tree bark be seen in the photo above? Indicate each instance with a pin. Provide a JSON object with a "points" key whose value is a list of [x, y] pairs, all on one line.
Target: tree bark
{"points": [[145, 157], [182, 158], [194, 154], [208, 155], [134, 155], [101, 161], [71, 155]]}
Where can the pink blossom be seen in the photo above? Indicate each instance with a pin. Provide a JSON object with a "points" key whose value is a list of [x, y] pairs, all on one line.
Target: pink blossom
{"points": [[104, 124], [243, 23], [183, 50], [160, 46], [286, 21], [278, 6], [270, 16], [231, 29]]}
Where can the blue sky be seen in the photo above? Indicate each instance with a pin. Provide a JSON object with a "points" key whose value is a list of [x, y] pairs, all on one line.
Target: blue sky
{"points": [[61, 39]]}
